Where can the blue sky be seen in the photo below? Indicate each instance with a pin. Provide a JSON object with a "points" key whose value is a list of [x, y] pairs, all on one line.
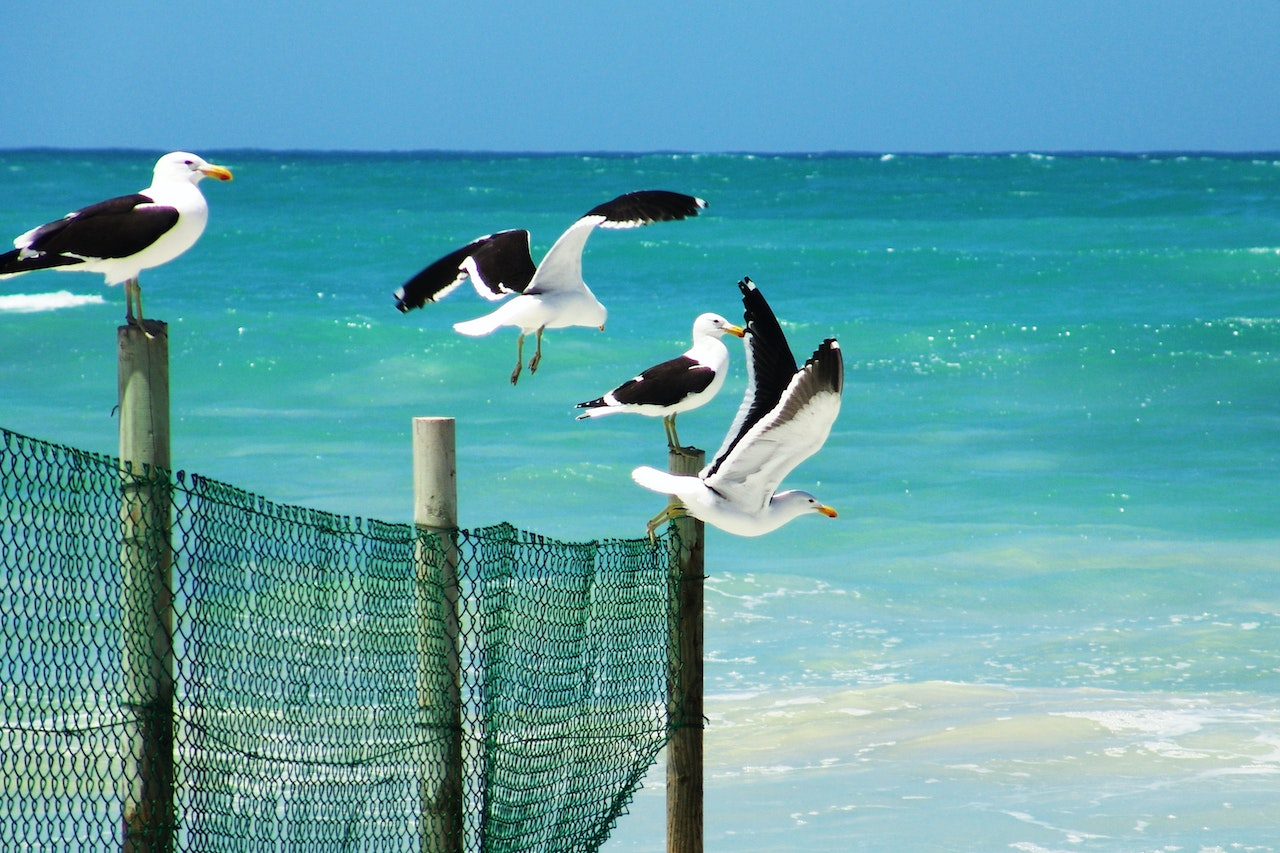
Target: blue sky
{"points": [[567, 75]]}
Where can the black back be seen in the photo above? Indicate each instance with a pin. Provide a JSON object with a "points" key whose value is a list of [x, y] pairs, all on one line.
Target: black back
{"points": [[115, 228]]}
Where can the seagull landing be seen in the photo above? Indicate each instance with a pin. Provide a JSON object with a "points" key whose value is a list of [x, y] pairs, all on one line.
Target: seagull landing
{"points": [[676, 385], [785, 417], [122, 236], [551, 295]]}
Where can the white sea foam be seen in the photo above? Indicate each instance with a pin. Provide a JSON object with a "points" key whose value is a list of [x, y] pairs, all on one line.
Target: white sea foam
{"points": [[1158, 722], [29, 303]]}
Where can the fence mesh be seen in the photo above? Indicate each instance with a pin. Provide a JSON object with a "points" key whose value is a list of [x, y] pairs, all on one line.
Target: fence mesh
{"points": [[314, 700]]}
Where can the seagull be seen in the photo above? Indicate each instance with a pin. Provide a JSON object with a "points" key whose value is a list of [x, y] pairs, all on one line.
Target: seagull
{"points": [[122, 236], [676, 385], [785, 417], [551, 295]]}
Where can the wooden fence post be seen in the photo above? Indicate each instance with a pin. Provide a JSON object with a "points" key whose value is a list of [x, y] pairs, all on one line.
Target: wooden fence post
{"points": [[146, 559], [684, 750], [435, 509]]}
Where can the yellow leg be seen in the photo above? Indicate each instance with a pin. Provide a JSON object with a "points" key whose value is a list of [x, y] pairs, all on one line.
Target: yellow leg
{"points": [[132, 295], [675, 509], [673, 438]]}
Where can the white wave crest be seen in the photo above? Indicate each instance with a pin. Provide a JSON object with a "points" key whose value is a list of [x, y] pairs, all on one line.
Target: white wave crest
{"points": [[29, 303]]}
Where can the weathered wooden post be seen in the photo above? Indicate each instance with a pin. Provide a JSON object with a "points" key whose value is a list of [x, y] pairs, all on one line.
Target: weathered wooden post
{"points": [[684, 750], [146, 560], [435, 509]]}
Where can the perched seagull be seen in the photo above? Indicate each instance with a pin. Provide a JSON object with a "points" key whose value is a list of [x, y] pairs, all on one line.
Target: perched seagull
{"points": [[552, 295], [785, 416], [122, 236], [676, 385]]}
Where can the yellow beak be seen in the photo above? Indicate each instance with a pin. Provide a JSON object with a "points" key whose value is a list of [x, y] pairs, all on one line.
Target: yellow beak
{"points": [[827, 511], [736, 331], [220, 172]]}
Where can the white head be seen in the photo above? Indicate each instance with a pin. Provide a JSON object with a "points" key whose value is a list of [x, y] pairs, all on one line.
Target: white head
{"points": [[179, 166], [713, 325], [795, 503]]}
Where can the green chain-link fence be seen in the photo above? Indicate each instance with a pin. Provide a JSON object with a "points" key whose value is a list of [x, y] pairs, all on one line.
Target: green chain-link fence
{"points": [[303, 707]]}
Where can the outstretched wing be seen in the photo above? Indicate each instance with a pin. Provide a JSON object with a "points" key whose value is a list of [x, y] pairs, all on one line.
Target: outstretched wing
{"points": [[115, 228], [770, 368], [792, 431], [561, 269], [641, 207], [497, 264]]}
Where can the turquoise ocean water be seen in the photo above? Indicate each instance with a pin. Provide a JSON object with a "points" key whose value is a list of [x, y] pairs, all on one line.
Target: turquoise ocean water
{"points": [[1048, 616]]}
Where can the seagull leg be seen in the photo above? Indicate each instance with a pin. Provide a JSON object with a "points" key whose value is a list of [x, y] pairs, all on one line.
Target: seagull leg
{"points": [[128, 301], [669, 424], [673, 439], [537, 356], [515, 374], [675, 509], [137, 297], [132, 294]]}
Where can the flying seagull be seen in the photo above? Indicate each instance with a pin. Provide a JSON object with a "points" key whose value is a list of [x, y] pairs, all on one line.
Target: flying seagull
{"points": [[785, 417], [551, 295], [676, 385], [122, 236]]}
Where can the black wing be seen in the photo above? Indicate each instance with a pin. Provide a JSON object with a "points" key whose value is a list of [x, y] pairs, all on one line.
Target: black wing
{"points": [[796, 428], [115, 228], [661, 385], [645, 206], [12, 263], [498, 264], [770, 368]]}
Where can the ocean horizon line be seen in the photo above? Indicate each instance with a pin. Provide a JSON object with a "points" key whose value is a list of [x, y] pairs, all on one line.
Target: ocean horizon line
{"points": [[449, 153]]}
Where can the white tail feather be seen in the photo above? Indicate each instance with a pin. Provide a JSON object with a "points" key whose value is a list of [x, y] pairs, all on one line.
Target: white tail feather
{"points": [[479, 326], [654, 480]]}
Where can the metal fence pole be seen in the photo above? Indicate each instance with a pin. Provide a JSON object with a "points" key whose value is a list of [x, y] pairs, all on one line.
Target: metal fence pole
{"points": [[435, 509], [684, 750], [146, 559]]}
